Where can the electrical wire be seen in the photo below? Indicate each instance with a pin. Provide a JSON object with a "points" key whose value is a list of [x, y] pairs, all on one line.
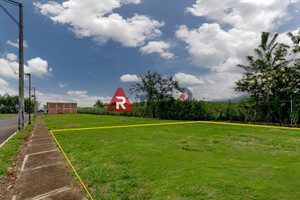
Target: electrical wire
{"points": [[12, 2], [7, 60]]}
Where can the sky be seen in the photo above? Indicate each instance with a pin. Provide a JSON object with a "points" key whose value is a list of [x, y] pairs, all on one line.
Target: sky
{"points": [[81, 51]]}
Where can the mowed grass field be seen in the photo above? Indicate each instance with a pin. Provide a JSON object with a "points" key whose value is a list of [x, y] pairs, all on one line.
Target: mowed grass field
{"points": [[186, 161]]}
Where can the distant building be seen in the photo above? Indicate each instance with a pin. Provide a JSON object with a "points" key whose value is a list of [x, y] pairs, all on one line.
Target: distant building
{"points": [[60, 108]]}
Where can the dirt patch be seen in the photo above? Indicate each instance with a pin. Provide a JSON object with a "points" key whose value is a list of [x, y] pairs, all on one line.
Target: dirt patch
{"points": [[97, 117], [8, 181], [122, 120], [53, 128], [73, 125]]}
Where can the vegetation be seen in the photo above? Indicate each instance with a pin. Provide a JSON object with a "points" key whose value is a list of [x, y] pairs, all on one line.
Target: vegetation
{"points": [[191, 161], [10, 104], [272, 78], [10, 149], [155, 87], [99, 104], [195, 110]]}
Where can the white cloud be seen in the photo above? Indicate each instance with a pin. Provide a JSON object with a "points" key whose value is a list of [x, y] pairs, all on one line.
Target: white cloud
{"points": [[188, 79], [77, 93], [7, 68], [93, 18], [212, 86], [129, 78], [61, 84], [250, 15], [5, 88], [210, 46], [36, 66], [218, 86], [16, 44], [11, 57], [80, 97], [159, 47], [220, 49]]}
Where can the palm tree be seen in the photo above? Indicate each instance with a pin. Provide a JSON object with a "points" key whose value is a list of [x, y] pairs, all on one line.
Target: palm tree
{"points": [[258, 78]]}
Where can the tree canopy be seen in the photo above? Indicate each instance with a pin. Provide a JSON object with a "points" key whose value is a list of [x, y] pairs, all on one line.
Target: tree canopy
{"points": [[273, 74], [155, 86]]}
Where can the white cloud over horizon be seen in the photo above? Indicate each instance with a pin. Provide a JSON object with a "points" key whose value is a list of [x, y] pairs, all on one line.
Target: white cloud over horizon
{"points": [[96, 19], [36, 66], [82, 98], [220, 50], [188, 79], [5, 88]]}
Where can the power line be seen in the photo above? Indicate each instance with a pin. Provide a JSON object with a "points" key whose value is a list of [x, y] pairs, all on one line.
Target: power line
{"points": [[7, 60], [5, 10], [11, 2]]}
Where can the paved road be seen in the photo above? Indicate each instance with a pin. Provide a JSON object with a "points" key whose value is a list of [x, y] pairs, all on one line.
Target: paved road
{"points": [[8, 126]]}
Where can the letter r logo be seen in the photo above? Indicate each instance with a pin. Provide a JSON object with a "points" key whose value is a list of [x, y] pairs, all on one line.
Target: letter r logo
{"points": [[120, 103]]}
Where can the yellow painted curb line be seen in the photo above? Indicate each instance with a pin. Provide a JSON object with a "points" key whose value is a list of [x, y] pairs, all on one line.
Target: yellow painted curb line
{"points": [[71, 165], [156, 124]]}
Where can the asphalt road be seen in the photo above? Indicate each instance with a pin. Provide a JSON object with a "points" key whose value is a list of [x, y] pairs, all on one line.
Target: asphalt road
{"points": [[8, 126]]}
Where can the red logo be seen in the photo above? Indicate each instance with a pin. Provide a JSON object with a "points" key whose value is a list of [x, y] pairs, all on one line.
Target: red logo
{"points": [[182, 96], [119, 102]]}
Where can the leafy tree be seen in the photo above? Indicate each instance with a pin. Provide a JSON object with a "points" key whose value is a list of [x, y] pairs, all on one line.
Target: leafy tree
{"points": [[262, 72], [26, 104], [292, 87], [155, 87], [272, 76], [99, 104], [9, 104]]}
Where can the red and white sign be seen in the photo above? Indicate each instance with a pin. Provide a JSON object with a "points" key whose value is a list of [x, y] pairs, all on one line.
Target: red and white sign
{"points": [[119, 102], [182, 96]]}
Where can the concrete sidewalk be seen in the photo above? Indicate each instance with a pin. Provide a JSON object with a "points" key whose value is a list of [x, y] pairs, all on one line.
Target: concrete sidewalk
{"points": [[44, 173]]}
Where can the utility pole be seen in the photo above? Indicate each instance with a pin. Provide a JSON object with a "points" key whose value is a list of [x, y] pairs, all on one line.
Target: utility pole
{"points": [[35, 103], [21, 119], [29, 104]]}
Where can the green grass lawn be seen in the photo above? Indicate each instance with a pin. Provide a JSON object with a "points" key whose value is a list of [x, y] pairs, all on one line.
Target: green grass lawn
{"points": [[10, 148], [7, 115], [187, 161]]}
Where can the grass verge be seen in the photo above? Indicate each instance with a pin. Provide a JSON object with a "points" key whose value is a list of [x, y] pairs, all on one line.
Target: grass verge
{"points": [[7, 115], [10, 148], [186, 161]]}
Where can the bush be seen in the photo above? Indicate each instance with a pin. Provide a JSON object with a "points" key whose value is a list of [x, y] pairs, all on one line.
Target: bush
{"points": [[181, 110], [245, 110]]}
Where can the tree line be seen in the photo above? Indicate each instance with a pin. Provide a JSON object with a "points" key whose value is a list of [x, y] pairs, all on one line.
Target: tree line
{"points": [[10, 104]]}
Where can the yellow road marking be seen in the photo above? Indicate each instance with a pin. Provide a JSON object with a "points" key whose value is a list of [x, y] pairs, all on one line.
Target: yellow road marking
{"points": [[170, 123], [156, 124], [71, 165]]}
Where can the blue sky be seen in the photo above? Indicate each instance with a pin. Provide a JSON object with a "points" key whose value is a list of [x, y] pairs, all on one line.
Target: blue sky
{"points": [[81, 51]]}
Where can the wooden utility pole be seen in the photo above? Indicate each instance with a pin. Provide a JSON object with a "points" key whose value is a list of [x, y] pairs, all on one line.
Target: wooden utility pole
{"points": [[21, 120], [29, 95], [35, 103]]}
